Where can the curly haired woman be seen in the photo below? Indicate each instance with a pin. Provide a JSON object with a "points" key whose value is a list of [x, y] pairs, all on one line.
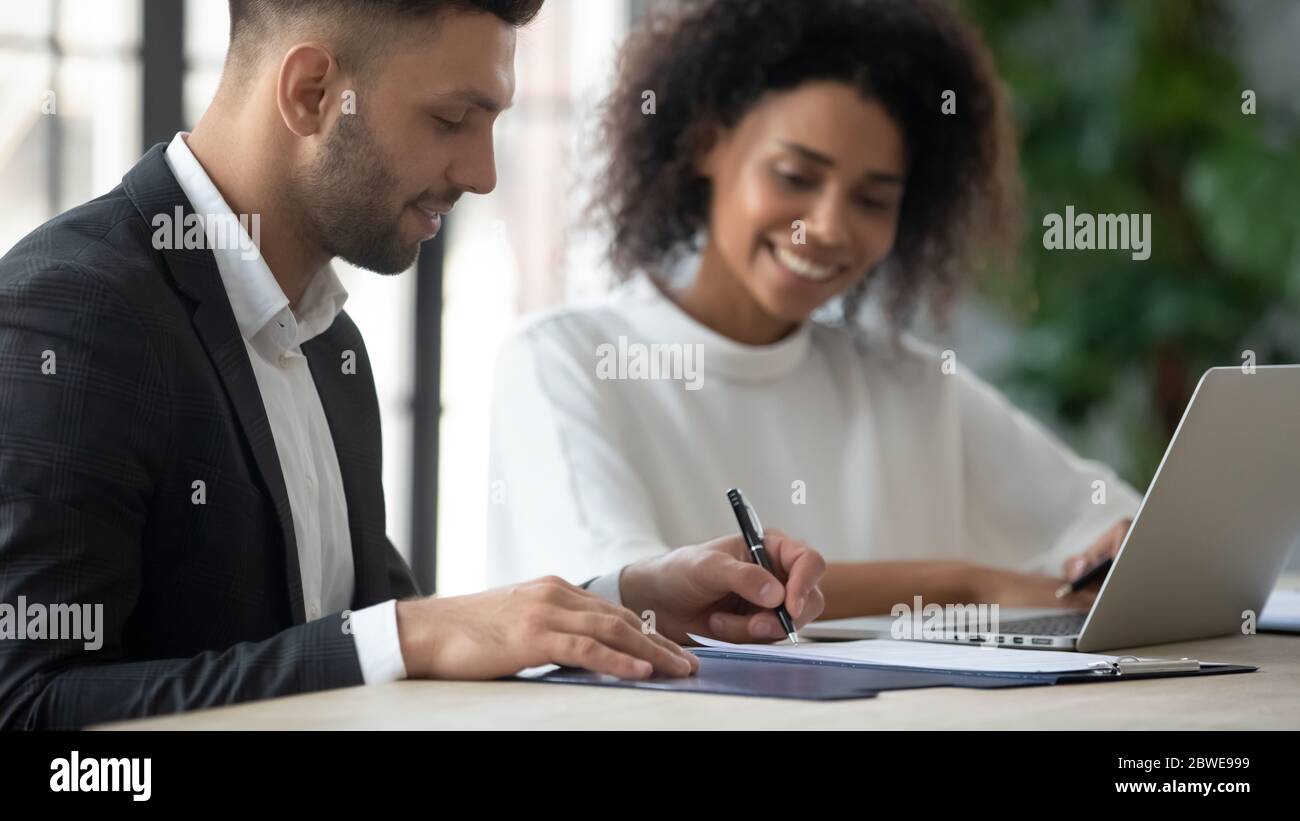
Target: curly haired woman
{"points": [[791, 159]]}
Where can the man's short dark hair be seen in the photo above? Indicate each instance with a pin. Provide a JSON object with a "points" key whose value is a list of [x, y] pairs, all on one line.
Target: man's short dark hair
{"points": [[369, 25]]}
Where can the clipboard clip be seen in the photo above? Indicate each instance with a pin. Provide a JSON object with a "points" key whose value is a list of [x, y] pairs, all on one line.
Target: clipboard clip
{"points": [[1132, 664]]}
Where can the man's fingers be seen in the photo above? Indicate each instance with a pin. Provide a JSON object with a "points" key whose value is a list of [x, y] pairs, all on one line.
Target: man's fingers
{"points": [[765, 626], [744, 629], [813, 608], [801, 567], [616, 633], [733, 628], [692, 661], [733, 546], [581, 601], [570, 650], [727, 567], [721, 574]]}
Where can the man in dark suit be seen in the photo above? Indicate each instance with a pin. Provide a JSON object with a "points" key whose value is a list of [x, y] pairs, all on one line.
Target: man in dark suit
{"points": [[191, 509]]}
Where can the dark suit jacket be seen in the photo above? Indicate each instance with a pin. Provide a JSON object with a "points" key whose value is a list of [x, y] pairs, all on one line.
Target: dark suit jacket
{"points": [[151, 391]]}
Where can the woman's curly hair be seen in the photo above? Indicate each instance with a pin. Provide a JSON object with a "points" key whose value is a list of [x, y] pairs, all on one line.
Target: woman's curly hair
{"points": [[709, 62]]}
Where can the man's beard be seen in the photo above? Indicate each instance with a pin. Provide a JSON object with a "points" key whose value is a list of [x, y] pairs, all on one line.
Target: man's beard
{"points": [[346, 198]]}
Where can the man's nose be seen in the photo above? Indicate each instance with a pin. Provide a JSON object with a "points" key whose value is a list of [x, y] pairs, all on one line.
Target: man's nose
{"points": [[476, 171]]}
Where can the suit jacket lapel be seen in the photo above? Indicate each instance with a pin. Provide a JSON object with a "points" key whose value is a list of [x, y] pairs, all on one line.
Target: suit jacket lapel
{"points": [[154, 190]]}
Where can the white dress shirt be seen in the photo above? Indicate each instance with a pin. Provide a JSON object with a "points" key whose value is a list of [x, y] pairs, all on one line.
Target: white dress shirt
{"points": [[866, 452], [274, 333]]}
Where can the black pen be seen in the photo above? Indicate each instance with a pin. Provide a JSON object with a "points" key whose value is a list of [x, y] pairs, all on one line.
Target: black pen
{"points": [[1097, 573], [752, 531]]}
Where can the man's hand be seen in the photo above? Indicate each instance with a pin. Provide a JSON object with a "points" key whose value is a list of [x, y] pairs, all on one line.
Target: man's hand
{"points": [[715, 589], [548, 621]]}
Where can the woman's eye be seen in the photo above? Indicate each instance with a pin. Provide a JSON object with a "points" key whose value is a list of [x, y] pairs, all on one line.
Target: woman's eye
{"points": [[795, 180]]}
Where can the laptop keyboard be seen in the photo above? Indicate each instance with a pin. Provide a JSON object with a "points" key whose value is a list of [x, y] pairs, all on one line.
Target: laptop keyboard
{"points": [[1066, 624]]}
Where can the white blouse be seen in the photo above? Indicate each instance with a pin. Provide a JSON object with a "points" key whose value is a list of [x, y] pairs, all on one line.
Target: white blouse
{"points": [[606, 450]]}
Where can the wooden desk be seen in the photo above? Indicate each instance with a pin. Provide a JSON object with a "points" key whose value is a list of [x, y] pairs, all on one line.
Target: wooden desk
{"points": [[1267, 699]]}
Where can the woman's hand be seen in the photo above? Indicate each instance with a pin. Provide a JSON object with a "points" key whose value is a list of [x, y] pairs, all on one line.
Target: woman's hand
{"points": [[1106, 547], [1012, 589], [1009, 588]]}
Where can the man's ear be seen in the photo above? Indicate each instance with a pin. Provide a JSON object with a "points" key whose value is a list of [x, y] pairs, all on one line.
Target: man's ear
{"points": [[302, 88]]}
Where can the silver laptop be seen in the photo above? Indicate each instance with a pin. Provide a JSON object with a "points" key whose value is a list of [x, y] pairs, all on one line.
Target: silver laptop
{"points": [[1208, 541]]}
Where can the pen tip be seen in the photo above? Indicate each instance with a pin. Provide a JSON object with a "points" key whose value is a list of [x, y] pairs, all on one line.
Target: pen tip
{"points": [[1062, 591], [794, 637]]}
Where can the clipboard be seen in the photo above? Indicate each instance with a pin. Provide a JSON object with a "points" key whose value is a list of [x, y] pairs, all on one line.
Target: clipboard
{"points": [[725, 673], [1123, 668]]}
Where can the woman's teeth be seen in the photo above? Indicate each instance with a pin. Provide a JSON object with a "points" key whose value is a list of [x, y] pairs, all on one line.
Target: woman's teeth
{"points": [[802, 267]]}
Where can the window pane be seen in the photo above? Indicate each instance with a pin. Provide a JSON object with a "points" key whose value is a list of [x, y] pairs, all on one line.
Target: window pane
{"points": [[31, 18], [207, 34], [198, 90], [99, 26], [207, 31], [24, 143], [99, 115]]}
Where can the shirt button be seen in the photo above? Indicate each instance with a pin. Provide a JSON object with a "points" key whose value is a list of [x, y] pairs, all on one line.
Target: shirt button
{"points": [[284, 359], [314, 611]]}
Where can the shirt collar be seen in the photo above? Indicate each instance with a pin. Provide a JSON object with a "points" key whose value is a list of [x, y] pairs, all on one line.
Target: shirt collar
{"points": [[659, 317], [261, 309]]}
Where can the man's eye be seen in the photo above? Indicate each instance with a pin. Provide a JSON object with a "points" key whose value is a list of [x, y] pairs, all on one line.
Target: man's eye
{"points": [[445, 124]]}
